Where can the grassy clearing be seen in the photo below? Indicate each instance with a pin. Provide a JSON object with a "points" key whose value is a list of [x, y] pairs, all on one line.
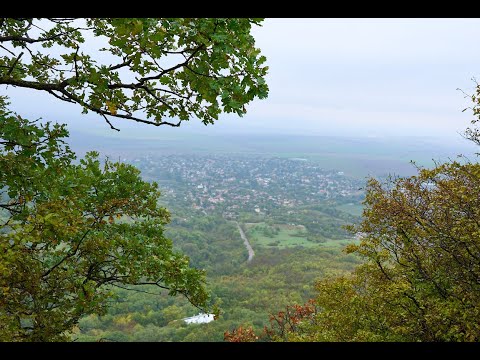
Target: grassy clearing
{"points": [[287, 236]]}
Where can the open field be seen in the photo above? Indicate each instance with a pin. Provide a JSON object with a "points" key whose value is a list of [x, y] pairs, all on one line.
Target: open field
{"points": [[287, 236]]}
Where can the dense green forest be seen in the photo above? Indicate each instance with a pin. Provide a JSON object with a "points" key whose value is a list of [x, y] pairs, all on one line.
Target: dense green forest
{"points": [[247, 292]]}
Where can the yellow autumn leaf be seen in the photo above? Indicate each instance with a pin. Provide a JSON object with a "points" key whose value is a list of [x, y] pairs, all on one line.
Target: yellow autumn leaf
{"points": [[111, 107], [137, 27]]}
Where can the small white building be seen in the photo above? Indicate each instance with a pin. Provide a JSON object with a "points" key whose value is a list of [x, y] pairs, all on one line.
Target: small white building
{"points": [[199, 319]]}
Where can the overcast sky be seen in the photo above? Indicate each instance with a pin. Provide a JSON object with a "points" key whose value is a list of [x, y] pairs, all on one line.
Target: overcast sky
{"points": [[375, 76], [372, 77]]}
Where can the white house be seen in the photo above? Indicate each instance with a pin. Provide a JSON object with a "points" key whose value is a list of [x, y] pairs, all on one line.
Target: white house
{"points": [[199, 319]]}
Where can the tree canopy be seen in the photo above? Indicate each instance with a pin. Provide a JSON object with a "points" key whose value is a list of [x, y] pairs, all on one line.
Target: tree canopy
{"points": [[420, 244], [73, 229], [72, 232], [420, 271], [153, 71]]}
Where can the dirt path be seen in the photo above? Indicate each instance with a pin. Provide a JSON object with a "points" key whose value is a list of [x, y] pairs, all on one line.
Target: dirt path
{"points": [[251, 253]]}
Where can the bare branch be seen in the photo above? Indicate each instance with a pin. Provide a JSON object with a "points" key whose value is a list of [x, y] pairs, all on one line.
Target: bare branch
{"points": [[118, 66], [3, 47], [109, 123], [14, 64], [61, 97], [183, 292]]}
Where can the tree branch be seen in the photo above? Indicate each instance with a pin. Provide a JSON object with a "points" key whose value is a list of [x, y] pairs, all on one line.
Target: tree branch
{"points": [[32, 84], [8, 208], [103, 112], [60, 87], [29, 39], [61, 97], [183, 292], [69, 254], [75, 62], [118, 66], [109, 123], [14, 64], [3, 47], [158, 76]]}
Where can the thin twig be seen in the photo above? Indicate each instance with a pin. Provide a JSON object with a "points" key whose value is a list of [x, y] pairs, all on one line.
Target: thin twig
{"points": [[109, 123], [14, 63]]}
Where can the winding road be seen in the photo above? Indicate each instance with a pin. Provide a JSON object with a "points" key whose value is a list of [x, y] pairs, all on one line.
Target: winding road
{"points": [[251, 253]]}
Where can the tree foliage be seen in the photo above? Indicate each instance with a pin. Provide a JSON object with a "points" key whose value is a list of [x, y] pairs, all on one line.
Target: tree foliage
{"points": [[473, 133], [283, 325], [73, 230], [149, 70], [422, 244], [419, 279]]}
